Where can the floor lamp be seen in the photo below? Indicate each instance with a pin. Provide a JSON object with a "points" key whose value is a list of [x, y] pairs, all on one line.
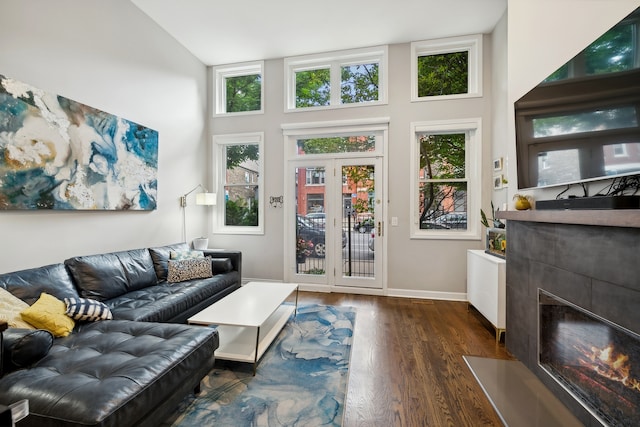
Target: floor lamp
{"points": [[203, 198]]}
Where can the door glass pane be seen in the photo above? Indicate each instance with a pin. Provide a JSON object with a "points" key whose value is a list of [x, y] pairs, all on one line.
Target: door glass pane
{"points": [[310, 233], [358, 221]]}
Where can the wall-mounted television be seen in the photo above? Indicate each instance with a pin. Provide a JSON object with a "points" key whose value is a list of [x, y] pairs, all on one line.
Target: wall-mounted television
{"points": [[582, 123]]}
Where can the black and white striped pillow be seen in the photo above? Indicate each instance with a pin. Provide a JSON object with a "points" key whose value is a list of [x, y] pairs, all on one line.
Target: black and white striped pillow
{"points": [[87, 309]]}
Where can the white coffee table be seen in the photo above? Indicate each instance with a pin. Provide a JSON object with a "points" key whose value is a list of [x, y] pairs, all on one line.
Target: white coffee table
{"points": [[249, 319]]}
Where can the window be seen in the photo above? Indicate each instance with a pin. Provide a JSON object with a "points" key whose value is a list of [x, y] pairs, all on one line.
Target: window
{"points": [[315, 176], [340, 79], [240, 171], [446, 68], [445, 190], [239, 89]]}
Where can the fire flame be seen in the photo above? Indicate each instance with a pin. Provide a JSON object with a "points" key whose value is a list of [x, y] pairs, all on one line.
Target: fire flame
{"points": [[610, 364]]}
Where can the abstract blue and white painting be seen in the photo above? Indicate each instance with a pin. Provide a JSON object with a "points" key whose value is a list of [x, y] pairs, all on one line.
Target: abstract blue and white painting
{"points": [[56, 153]]}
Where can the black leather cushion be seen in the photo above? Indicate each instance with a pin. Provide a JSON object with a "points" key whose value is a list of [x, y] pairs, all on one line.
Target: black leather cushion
{"points": [[105, 276], [24, 347], [28, 284], [160, 256], [221, 265], [170, 302], [111, 373]]}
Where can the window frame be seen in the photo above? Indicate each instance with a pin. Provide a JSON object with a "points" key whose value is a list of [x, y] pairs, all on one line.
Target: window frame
{"points": [[334, 61], [220, 75], [220, 142], [472, 127], [471, 44]]}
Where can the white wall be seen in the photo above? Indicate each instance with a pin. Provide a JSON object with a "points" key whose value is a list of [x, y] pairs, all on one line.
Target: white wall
{"points": [[415, 267], [108, 55], [500, 113], [543, 35]]}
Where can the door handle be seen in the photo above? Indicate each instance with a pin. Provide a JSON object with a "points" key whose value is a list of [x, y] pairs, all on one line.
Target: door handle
{"points": [[380, 228]]}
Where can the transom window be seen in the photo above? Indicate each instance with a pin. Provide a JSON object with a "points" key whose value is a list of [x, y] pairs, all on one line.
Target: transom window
{"points": [[339, 79], [446, 68], [239, 89], [446, 190]]}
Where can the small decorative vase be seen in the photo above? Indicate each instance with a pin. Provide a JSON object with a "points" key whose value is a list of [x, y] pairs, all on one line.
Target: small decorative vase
{"points": [[201, 243], [301, 258], [522, 203]]}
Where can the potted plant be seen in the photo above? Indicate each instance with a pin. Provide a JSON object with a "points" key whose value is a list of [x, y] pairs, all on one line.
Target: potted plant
{"points": [[495, 223], [304, 248]]}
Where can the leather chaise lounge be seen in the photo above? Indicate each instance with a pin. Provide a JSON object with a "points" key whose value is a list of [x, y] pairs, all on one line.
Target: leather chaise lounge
{"points": [[129, 371]]}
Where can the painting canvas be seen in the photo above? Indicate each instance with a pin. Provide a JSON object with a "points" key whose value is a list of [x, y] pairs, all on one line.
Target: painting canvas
{"points": [[56, 153]]}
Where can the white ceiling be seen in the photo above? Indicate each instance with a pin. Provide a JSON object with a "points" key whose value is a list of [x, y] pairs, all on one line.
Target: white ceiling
{"points": [[224, 32]]}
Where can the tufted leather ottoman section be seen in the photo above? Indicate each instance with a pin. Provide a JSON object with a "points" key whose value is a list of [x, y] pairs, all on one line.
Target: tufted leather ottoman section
{"points": [[113, 373]]}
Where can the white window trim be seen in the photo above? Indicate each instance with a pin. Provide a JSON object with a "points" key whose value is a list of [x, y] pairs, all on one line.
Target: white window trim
{"points": [[473, 157], [471, 44], [334, 60], [220, 75], [219, 159]]}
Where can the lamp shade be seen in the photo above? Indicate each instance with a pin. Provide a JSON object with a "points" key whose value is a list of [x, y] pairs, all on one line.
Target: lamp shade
{"points": [[208, 199]]}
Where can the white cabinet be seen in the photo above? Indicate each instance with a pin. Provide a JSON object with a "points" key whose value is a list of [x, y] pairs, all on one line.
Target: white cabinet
{"points": [[486, 287]]}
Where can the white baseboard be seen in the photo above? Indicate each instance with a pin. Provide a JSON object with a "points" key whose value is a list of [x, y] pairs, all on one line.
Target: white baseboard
{"points": [[401, 293], [413, 293]]}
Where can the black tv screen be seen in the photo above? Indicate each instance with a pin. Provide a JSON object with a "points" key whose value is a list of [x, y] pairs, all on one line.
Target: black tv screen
{"points": [[582, 123]]}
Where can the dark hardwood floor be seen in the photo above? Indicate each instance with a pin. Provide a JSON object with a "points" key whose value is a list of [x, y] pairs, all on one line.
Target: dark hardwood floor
{"points": [[406, 362]]}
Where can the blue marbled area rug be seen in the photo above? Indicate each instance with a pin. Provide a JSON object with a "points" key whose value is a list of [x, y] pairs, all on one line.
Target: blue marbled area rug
{"points": [[300, 381]]}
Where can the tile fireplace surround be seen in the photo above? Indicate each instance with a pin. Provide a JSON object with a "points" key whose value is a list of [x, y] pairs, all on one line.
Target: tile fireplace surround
{"points": [[589, 258]]}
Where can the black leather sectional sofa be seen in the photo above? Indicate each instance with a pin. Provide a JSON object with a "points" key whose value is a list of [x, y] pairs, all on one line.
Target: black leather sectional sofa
{"points": [[129, 371]]}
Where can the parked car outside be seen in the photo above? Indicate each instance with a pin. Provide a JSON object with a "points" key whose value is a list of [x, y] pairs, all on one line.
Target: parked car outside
{"points": [[317, 218], [372, 239], [364, 222], [453, 220], [315, 233]]}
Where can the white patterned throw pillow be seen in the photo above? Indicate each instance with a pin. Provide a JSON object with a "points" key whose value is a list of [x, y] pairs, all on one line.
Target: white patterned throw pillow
{"points": [[188, 269], [87, 309], [180, 255]]}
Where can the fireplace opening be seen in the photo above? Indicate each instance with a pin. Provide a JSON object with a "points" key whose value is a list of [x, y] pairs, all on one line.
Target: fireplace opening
{"points": [[595, 360]]}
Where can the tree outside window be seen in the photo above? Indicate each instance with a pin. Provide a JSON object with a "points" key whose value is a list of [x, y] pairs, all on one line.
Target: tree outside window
{"points": [[338, 79], [442, 181], [239, 88], [359, 83], [443, 74], [313, 88], [244, 93], [446, 68]]}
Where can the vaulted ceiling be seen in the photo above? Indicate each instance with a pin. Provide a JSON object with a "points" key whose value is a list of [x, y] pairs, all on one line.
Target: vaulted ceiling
{"points": [[223, 32]]}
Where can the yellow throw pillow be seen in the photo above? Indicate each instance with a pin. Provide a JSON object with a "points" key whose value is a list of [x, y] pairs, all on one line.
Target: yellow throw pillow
{"points": [[51, 314], [10, 308]]}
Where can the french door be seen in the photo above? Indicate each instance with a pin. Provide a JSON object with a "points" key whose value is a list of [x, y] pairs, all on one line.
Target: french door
{"points": [[336, 229]]}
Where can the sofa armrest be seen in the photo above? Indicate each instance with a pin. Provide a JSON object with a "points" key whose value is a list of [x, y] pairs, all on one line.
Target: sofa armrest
{"points": [[234, 256]]}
